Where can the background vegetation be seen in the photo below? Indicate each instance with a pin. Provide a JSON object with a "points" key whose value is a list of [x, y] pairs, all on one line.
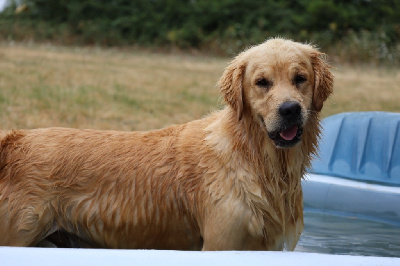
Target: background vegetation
{"points": [[90, 86], [352, 31], [46, 85]]}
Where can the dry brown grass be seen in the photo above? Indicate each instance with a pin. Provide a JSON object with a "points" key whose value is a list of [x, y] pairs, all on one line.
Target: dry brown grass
{"points": [[364, 88], [42, 86]]}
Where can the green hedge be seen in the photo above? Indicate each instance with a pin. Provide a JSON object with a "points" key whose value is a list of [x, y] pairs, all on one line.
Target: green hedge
{"points": [[224, 26]]}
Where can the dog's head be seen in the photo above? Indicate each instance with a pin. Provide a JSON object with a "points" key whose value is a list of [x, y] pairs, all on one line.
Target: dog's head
{"points": [[278, 83]]}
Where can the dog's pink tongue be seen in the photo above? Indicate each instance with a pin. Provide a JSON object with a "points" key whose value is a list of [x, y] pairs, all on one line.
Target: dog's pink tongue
{"points": [[289, 134]]}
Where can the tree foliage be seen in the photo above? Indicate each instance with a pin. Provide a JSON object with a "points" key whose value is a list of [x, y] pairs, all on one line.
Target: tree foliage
{"points": [[225, 24]]}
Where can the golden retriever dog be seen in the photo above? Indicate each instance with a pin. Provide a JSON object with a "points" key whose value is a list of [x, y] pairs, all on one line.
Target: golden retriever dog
{"points": [[229, 181]]}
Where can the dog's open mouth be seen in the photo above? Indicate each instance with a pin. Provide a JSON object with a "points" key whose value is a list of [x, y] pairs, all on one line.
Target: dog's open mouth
{"points": [[287, 137], [290, 133]]}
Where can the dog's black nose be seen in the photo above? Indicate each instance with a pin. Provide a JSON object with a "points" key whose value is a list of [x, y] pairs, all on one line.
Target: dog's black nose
{"points": [[290, 110]]}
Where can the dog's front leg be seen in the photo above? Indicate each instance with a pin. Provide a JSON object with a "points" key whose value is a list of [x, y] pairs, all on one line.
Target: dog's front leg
{"points": [[232, 226]]}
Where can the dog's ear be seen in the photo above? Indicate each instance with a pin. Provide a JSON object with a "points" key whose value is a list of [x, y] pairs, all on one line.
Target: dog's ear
{"points": [[231, 86], [323, 86]]}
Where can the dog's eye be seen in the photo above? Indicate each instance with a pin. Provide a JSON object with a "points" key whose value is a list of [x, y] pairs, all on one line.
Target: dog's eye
{"points": [[264, 83], [299, 79]]}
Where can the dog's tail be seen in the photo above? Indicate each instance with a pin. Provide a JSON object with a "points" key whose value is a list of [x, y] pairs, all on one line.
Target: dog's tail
{"points": [[8, 140], [3, 134], [6, 136]]}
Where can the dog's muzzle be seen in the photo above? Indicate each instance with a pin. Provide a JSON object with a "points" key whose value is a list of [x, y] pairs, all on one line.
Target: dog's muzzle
{"points": [[290, 128]]}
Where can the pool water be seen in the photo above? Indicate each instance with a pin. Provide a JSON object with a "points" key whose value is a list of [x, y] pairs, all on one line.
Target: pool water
{"points": [[330, 234]]}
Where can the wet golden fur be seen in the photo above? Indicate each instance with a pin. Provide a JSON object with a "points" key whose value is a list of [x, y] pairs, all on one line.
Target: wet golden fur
{"points": [[219, 183]]}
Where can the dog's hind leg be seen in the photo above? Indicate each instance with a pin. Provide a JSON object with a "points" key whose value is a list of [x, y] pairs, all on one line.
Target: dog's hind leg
{"points": [[24, 227]]}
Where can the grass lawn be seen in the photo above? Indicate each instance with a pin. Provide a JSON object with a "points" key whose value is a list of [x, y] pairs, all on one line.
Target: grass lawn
{"points": [[43, 86]]}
